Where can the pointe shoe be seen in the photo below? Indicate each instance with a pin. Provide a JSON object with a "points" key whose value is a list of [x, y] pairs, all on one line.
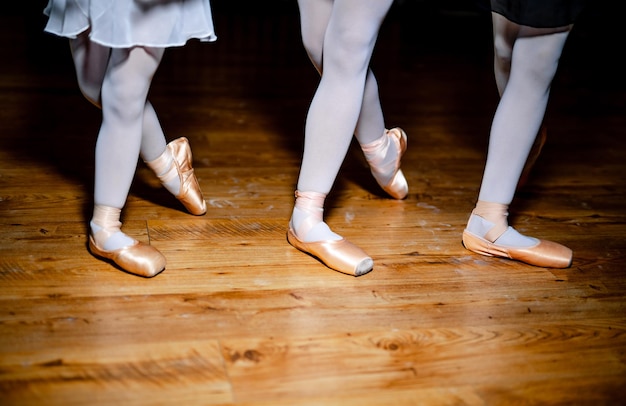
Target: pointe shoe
{"points": [[340, 255], [139, 258], [534, 153], [546, 254], [190, 194], [397, 187]]}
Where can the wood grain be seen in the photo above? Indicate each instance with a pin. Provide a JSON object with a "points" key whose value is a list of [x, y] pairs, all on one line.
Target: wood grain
{"points": [[239, 317]]}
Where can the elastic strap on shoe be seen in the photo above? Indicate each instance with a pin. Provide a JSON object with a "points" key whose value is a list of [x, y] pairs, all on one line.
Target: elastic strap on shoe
{"points": [[495, 213]]}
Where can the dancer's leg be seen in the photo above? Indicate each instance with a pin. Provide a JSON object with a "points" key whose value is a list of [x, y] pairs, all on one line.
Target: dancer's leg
{"points": [[525, 92], [504, 35], [91, 60], [124, 91], [349, 40], [314, 19], [370, 127]]}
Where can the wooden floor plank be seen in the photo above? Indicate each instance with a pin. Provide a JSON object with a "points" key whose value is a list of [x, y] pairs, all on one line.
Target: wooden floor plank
{"points": [[128, 372], [240, 317], [415, 359]]}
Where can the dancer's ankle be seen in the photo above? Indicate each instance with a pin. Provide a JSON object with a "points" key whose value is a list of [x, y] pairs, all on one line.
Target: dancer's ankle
{"points": [[105, 228], [318, 232], [511, 237], [307, 218], [489, 221], [381, 155], [164, 168]]}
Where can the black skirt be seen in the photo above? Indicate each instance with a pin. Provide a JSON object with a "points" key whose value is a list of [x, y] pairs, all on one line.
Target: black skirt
{"points": [[539, 13]]}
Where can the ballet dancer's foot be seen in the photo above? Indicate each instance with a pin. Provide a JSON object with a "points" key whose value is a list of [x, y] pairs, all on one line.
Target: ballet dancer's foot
{"points": [[306, 228], [174, 170], [384, 156], [107, 241], [488, 233]]}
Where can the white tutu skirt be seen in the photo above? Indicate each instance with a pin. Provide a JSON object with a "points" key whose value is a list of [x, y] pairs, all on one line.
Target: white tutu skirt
{"points": [[128, 23]]}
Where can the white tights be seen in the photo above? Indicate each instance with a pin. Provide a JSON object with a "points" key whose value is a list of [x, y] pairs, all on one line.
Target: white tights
{"points": [[117, 81], [339, 37], [526, 60]]}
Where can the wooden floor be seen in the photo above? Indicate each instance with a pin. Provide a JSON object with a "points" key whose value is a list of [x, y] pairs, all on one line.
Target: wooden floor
{"points": [[241, 317]]}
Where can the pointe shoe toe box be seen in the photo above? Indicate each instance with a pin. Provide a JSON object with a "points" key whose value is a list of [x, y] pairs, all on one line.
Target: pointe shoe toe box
{"points": [[192, 198], [398, 188], [138, 258]]}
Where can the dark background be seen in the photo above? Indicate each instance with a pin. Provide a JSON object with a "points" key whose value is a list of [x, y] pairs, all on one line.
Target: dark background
{"points": [[417, 28]]}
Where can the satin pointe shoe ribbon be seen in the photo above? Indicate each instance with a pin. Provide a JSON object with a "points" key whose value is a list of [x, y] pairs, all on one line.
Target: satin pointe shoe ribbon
{"points": [[190, 194]]}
